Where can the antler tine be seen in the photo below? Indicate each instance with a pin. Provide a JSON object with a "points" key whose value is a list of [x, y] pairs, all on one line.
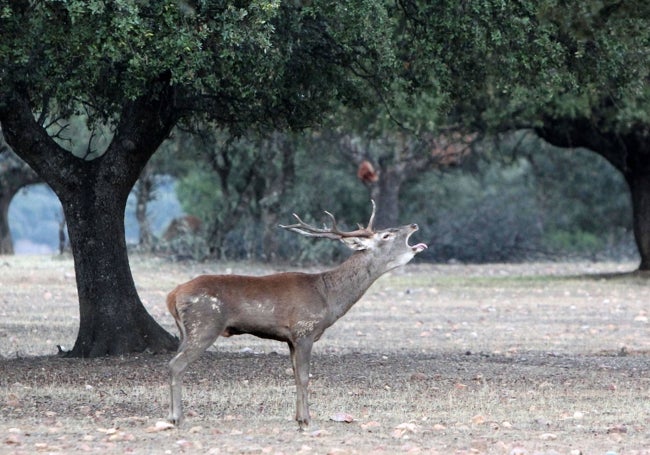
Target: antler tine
{"points": [[334, 226], [372, 217]]}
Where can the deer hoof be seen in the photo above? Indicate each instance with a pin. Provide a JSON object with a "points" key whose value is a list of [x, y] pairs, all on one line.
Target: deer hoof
{"points": [[302, 424], [176, 421]]}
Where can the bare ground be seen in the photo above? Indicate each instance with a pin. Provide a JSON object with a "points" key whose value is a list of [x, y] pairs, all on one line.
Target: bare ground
{"points": [[497, 359]]}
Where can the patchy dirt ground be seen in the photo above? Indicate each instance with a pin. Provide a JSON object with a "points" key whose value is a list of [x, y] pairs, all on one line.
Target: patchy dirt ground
{"points": [[495, 359]]}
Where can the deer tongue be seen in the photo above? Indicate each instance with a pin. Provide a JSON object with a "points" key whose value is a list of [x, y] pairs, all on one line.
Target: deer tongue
{"points": [[419, 247]]}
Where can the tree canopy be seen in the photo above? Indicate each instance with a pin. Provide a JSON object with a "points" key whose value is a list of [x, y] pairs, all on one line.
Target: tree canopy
{"points": [[235, 63]]}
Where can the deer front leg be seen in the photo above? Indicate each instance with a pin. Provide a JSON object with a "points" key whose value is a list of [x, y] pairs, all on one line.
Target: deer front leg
{"points": [[300, 360]]}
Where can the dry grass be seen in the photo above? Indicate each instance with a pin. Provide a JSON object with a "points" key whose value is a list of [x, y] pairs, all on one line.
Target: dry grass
{"points": [[495, 359]]}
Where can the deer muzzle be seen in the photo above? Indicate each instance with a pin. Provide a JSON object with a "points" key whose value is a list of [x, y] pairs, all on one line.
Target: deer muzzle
{"points": [[420, 246]]}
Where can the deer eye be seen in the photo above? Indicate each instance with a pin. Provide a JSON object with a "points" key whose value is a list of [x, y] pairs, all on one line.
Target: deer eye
{"points": [[386, 236]]}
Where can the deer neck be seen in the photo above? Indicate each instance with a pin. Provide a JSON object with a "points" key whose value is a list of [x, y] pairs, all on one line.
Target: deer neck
{"points": [[346, 284]]}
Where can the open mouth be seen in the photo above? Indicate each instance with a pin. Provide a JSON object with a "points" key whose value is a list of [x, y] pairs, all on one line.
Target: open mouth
{"points": [[418, 247]]}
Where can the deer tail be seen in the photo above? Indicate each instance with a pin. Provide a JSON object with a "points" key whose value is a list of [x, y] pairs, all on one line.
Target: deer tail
{"points": [[173, 310]]}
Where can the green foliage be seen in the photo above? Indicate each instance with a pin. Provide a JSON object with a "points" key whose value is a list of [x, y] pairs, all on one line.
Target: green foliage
{"points": [[573, 241], [233, 201], [545, 203], [481, 215], [503, 64], [239, 64], [598, 65], [107, 53], [582, 193]]}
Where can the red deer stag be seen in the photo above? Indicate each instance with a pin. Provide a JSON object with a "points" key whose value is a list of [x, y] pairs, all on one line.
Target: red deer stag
{"points": [[292, 307]]}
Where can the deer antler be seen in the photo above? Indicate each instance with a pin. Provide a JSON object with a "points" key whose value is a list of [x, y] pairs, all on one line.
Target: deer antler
{"points": [[332, 233]]}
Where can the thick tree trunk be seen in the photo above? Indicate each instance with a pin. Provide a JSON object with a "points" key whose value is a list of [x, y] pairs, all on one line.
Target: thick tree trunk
{"points": [[93, 195], [113, 320]]}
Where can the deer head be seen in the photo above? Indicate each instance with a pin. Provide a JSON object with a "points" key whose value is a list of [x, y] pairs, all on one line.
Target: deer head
{"points": [[391, 245]]}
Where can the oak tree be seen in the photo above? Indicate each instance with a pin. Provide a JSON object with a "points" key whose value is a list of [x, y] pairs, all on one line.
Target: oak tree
{"points": [[134, 70], [576, 73]]}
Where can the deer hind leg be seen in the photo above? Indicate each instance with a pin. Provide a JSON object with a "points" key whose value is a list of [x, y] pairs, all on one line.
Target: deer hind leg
{"points": [[199, 337], [300, 359]]}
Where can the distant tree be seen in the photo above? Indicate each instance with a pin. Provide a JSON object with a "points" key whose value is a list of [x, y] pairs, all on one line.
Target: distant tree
{"points": [[136, 69], [242, 180], [144, 193], [14, 175], [222, 190]]}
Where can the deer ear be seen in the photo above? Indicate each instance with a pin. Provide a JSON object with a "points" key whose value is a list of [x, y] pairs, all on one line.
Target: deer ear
{"points": [[357, 243]]}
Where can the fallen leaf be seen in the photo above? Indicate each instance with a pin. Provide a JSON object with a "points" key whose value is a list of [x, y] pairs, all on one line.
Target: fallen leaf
{"points": [[121, 436], [478, 419], [616, 437], [479, 445], [342, 417], [418, 377], [548, 436], [184, 443], [617, 429], [371, 424], [408, 426], [404, 429], [13, 401], [161, 425], [13, 439]]}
